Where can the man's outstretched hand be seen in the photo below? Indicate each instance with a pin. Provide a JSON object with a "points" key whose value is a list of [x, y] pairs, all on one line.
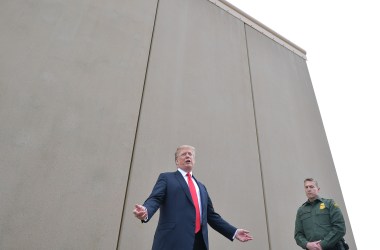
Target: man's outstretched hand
{"points": [[243, 235], [140, 212]]}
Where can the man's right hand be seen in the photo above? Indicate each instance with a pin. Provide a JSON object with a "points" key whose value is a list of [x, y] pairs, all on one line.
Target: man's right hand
{"points": [[314, 245], [140, 212]]}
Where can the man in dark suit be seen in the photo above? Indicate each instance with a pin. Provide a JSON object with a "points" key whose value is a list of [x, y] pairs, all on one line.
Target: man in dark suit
{"points": [[185, 209]]}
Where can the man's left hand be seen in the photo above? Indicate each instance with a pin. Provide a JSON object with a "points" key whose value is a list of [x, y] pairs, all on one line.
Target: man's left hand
{"points": [[243, 235]]}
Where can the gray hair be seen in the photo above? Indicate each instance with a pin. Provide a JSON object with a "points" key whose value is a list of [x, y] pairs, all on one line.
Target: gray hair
{"points": [[182, 147]]}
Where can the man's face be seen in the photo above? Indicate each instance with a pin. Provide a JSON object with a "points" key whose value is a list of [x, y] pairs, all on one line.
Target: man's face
{"points": [[311, 190], [185, 159]]}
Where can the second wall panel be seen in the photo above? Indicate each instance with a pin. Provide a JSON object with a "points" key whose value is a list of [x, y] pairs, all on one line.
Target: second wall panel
{"points": [[293, 143], [198, 92]]}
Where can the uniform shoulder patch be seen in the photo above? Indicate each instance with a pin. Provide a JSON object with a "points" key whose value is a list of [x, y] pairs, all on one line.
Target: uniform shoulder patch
{"points": [[322, 206], [334, 203]]}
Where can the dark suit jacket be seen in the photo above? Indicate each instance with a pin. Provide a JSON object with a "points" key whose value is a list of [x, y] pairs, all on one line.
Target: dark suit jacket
{"points": [[176, 225]]}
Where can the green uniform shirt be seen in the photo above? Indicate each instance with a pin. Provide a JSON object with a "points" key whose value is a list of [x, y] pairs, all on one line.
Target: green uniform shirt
{"points": [[319, 220]]}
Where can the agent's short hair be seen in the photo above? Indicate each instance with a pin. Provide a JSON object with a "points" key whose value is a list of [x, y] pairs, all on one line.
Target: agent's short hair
{"points": [[182, 147], [312, 180]]}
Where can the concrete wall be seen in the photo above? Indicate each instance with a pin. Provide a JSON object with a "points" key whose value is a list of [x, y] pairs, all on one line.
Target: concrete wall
{"points": [[71, 80], [95, 96]]}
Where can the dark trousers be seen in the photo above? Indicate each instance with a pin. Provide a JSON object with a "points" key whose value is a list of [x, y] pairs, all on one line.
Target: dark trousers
{"points": [[199, 243], [338, 246]]}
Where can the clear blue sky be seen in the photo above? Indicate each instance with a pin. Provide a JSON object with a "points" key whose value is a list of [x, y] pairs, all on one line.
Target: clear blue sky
{"points": [[342, 41]]}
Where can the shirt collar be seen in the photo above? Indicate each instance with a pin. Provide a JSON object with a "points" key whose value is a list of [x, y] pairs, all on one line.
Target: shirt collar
{"points": [[184, 173], [316, 200]]}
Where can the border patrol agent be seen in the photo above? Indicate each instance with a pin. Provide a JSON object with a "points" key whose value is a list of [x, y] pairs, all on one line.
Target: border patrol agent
{"points": [[319, 222]]}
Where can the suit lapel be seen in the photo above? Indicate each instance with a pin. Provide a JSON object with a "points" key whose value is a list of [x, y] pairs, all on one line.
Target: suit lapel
{"points": [[203, 194], [184, 185]]}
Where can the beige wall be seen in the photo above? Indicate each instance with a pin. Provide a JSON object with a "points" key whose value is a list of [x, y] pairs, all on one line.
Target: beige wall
{"points": [[95, 96], [292, 140], [71, 80]]}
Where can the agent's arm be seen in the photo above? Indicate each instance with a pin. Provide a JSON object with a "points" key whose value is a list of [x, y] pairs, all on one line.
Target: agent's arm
{"points": [[338, 227], [299, 235]]}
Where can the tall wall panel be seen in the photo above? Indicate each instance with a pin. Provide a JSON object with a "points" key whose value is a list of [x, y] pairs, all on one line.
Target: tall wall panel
{"points": [[198, 92], [71, 79], [95, 96], [292, 140]]}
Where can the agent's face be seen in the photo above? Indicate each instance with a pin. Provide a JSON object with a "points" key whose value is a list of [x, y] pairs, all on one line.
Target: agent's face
{"points": [[185, 159], [311, 190]]}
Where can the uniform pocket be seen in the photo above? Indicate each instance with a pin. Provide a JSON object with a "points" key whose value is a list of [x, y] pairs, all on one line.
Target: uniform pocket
{"points": [[305, 216], [323, 217], [306, 220]]}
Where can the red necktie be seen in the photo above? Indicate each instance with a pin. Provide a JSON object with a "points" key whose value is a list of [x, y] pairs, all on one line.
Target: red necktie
{"points": [[195, 201]]}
